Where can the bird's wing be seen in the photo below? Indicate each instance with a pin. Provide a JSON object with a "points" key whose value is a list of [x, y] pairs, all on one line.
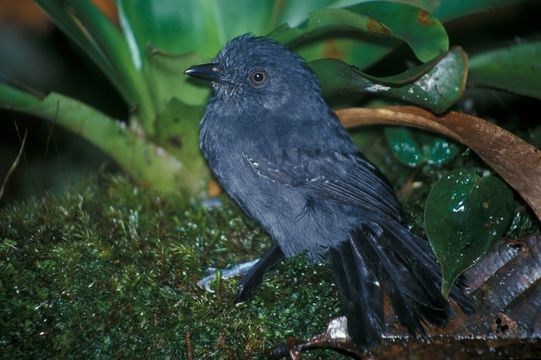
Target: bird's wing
{"points": [[344, 178]]}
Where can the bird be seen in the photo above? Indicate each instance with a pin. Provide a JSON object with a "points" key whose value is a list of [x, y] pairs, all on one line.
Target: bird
{"points": [[280, 152]]}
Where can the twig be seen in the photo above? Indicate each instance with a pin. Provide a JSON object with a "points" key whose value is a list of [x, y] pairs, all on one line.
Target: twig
{"points": [[189, 345], [14, 165]]}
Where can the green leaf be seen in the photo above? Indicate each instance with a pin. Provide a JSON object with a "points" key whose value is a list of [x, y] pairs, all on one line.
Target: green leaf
{"points": [[64, 19], [146, 162], [102, 41], [448, 9], [516, 68], [404, 146], [165, 78], [180, 27], [465, 215], [436, 89], [177, 131], [414, 147], [111, 42], [422, 32], [366, 51]]}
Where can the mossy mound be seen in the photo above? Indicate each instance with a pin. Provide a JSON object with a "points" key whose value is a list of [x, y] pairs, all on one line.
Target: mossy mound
{"points": [[109, 270]]}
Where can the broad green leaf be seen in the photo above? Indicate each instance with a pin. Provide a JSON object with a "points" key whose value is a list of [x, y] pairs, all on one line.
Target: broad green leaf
{"points": [[177, 131], [64, 19], [446, 10], [171, 26], [465, 215], [146, 162], [364, 52], [516, 68], [414, 147], [436, 89], [423, 33], [180, 27], [110, 41], [295, 12], [165, 78]]}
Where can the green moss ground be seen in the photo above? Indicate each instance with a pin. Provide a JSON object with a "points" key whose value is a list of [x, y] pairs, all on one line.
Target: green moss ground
{"points": [[110, 270]]}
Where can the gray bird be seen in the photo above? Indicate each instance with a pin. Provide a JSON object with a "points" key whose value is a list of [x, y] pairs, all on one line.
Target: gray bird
{"points": [[280, 152]]}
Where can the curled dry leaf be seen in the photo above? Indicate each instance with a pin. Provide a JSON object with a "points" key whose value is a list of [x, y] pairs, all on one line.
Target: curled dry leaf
{"points": [[516, 161], [505, 287]]}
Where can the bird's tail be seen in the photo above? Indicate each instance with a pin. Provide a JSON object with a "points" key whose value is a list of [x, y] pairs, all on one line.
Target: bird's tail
{"points": [[384, 257]]}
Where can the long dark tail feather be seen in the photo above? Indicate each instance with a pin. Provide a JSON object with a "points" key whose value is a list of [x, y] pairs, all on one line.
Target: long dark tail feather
{"points": [[361, 297], [385, 257]]}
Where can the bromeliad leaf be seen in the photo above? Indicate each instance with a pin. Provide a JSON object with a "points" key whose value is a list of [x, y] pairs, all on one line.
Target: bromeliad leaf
{"points": [[515, 68], [138, 157], [422, 32], [448, 10], [465, 215], [436, 86]]}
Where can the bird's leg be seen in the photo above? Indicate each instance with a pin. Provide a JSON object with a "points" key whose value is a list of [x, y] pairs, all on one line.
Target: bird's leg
{"points": [[254, 276], [234, 271], [252, 273]]}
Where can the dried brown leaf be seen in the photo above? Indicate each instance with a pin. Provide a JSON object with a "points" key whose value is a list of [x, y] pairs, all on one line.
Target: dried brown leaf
{"points": [[516, 161]]}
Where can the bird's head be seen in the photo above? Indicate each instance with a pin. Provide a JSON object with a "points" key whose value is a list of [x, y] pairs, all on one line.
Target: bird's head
{"points": [[251, 71]]}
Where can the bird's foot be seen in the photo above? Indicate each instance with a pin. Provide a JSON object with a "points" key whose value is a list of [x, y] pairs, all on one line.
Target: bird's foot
{"points": [[235, 271], [335, 337], [247, 285]]}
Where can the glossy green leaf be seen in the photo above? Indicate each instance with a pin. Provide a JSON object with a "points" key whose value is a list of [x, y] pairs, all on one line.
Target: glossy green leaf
{"points": [[145, 161], [465, 215], [446, 10], [516, 68], [436, 89], [404, 146], [414, 147], [423, 33], [364, 52]]}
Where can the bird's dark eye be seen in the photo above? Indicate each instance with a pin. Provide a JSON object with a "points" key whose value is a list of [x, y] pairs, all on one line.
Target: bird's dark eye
{"points": [[258, 77]]}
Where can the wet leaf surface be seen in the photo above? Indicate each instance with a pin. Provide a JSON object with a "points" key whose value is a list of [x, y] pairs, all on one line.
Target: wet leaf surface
{"points": [[465, 215], [415, 147], [447, 10], [435, 86], [422, 32], [516, 68]]}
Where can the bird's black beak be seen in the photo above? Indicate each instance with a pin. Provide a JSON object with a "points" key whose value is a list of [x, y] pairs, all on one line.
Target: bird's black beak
{"points": [[205, 71]]}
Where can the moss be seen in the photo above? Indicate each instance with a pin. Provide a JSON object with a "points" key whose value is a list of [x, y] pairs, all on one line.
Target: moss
{"points": [[110, 270]]}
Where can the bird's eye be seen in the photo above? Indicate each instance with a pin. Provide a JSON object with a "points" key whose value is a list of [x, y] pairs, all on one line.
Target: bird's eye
{"points": [[258, 77]]}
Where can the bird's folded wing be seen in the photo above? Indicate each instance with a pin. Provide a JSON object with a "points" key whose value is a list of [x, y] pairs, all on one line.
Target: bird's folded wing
{"points": [[344, 178]]}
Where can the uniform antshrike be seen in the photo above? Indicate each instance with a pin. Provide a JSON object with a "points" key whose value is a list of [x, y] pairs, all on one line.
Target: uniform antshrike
{"points": [[281, 153]]}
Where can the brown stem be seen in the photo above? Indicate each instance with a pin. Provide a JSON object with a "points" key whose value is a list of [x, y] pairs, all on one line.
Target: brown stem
{"points": [[516, 161]]}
